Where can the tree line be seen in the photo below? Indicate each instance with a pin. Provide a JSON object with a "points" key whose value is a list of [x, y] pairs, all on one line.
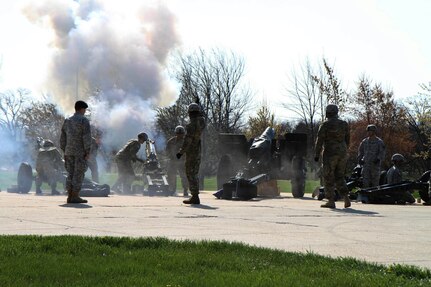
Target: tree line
{"points": [[216, 79]]}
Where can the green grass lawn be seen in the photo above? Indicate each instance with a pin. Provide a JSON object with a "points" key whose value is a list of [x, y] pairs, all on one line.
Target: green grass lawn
{"points": [[109, 261]]}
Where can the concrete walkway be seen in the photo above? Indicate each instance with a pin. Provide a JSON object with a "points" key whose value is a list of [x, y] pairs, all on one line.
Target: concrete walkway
{"points": [[376, 233]]}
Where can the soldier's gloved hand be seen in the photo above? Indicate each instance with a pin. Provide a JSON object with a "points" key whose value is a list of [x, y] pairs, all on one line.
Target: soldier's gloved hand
{"points": [[179, 155], [316, 159], [376, 161]]}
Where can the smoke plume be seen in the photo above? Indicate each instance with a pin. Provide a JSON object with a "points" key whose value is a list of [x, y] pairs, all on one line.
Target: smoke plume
{"points": [[116, 58]]}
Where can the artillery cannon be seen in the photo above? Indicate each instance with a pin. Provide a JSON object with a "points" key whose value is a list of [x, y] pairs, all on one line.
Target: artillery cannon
{"points": [[25, 175], [25, 180], [154, 176], [246, 165], [397, 193]]}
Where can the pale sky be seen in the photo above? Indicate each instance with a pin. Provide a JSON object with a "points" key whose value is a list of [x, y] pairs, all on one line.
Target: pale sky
{"points": [[387, 40]]}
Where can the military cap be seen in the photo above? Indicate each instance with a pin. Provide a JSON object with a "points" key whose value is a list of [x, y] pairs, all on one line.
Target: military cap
{"points": [[80, 105]]}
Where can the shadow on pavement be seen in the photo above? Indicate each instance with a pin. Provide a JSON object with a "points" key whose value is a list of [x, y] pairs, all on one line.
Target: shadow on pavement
{"points": [[76, 205], [203, 206], [354, 211]]}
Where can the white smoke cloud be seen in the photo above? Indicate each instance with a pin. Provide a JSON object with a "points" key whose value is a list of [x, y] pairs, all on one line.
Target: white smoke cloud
{"points": [[118, 55]]}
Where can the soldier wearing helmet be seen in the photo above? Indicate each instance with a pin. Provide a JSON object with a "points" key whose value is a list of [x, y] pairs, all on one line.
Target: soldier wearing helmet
{"points": [[394, 174], [176, 166], [192, 148], [49, 167], [333, 138], [371, 153], [124, 159]]}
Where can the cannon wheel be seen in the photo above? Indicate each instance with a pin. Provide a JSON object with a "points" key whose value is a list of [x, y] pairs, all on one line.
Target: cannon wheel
{"points": [[298, 177], [224, 171], [25, 178]]}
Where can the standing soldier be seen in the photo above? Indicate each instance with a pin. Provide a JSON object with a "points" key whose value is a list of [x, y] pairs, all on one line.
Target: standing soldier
{"points": [[124, 159], [333, 137], [370, 154], [92, 161], [75, 141], [49, 167], [176, 165], [192, 148]]}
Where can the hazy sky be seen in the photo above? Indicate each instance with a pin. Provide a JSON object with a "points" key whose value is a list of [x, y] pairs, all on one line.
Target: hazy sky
{"points": [[386, 40]]}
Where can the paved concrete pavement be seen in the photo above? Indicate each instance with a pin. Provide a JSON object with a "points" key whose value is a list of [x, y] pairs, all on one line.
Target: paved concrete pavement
{"points": [[376, 233]]}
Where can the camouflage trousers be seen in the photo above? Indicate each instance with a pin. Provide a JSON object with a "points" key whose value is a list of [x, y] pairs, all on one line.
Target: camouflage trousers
{"points": [[51, 177], [93, 167], [193, 162], [76, 166], [175, 168], [370, 174], [334, 168], [126, 176]]}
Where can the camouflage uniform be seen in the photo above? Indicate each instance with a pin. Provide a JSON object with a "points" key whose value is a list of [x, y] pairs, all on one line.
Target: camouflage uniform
{"points": [[124, 159], [394, 175], [49, 168], [371, 152], [75, 141], [192, 148], [333, 137], [176, 165], [92, 160]]}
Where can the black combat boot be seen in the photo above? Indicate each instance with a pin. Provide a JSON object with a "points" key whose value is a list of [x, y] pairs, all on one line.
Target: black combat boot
{"points": [[54, 192], [192, 200], [347, 203], [329, 204], [38, 191], [76, 199]]}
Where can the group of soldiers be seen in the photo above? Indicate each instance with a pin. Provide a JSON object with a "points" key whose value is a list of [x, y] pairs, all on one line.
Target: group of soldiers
{"points": [[80, 151], [334, 138]]}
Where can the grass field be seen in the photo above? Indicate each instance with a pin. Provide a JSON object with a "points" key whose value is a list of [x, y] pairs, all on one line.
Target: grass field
{"points": [[108, 261], [8, 178]]}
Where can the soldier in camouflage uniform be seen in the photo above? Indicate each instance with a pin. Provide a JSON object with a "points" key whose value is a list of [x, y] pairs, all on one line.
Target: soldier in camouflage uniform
{"points": [[75, 141], [192, 148], [371, 153], [49, 167], [395, 175], [176, 165], [334, 138], [124, 159], [92, 161]]}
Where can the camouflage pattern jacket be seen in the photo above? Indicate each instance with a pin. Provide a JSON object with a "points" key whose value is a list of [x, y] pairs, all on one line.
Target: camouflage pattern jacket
{"points": [[49, 159], [173, 146], [371, 149], [129, 151], [192, 139], [333, 137], [75, 139]]}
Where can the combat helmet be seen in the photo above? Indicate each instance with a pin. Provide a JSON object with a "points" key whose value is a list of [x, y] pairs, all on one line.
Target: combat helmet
{"points": [[398, 157], [47, 145], [372, 128], [194, 108], [143, 136], [331, 111], [179, 130]]}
